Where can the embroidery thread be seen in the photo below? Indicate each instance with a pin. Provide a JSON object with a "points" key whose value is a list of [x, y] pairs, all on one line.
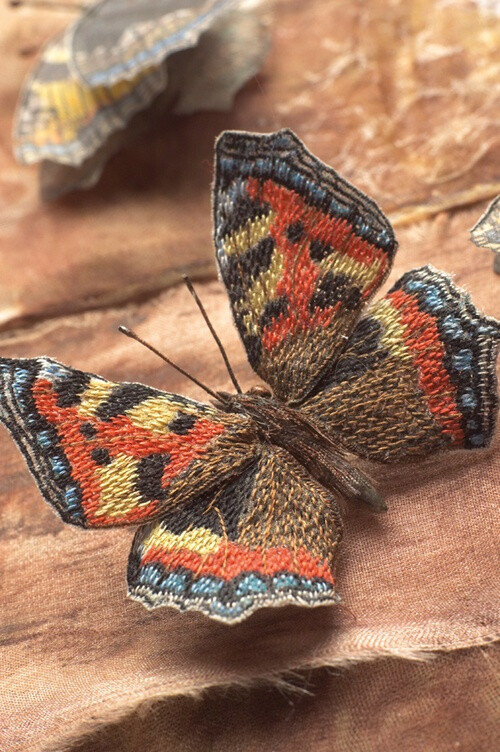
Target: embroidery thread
{"points": [[236, 502]]}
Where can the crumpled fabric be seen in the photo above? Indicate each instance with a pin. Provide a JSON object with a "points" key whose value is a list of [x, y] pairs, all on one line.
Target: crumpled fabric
{"points": [[417, 582], [406, 662]]}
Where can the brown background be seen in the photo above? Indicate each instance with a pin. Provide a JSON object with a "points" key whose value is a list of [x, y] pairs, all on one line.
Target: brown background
{"points": [[399, 97]]}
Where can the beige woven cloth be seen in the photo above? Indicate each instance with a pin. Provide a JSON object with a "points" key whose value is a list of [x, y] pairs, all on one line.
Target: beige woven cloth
{"points": [[445, 704], [78, 655], [419, 582]]}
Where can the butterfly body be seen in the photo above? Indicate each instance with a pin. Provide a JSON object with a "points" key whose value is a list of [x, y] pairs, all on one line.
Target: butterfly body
{"points": [[235, 503], [325, 459]]}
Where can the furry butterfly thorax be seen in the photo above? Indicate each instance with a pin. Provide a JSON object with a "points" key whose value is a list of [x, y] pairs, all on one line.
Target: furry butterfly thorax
{"points": [[326, 460]]}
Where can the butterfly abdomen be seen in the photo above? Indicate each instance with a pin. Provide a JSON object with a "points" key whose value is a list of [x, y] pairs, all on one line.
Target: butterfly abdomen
{"points": [[325, 460]]}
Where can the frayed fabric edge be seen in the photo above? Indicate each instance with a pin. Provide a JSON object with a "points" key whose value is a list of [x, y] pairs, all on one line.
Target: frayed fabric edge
{"points": [[292, 681]]}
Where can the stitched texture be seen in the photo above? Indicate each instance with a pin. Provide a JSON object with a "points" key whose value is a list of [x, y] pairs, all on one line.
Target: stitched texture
{"points": [[237, 521], [60, 118], [110, 46], [116, 454], [300, 251], [268, 538], [91, 79], [486, 231], [417, 375]]}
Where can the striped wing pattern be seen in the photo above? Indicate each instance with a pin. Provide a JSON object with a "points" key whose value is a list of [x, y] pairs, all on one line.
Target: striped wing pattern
{"points": [[416, 376], [228, 521], [300, 251], [111, 43], [59, 118], [486, 231], [105, 453], [269, 538]]}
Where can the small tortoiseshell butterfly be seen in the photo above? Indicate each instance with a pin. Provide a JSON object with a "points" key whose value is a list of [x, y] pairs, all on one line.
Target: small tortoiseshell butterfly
{"points": [[237, 502]]}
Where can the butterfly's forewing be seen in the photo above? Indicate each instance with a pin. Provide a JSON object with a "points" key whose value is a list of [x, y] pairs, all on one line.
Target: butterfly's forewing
{"points": [[486, 231], [417, 374], [62, 120], [300, 250], [115, 42], [267, 539], [107, 453]]}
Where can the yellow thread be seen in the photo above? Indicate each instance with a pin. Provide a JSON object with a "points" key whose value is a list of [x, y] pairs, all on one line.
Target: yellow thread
{"points": [[157, 412], [118, 494], [393, 331], [72, 106], [262, 290], [97, 392], [198, 539], [248, 234], [364, 275]]}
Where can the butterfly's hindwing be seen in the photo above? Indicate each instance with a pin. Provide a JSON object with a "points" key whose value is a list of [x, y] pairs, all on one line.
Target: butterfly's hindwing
{"points": [[237, 509], [300, 251], [417, 375], [269, 538], [104, 453]]}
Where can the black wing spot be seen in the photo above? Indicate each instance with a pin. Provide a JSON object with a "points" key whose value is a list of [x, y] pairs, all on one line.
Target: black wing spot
{"points": [[366, 337], [149, 477], [122, 398], [253, 346], [242, 267], [295, 232], [273, 310], [70, 388], [319, 250], [353, 298], [88, 431], [182, 424], [100, 456], [260, 255], [334, 288], [244, 209], [191, 515], [364, 354]]}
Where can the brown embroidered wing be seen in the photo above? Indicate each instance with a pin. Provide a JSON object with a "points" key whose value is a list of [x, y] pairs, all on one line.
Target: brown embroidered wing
{"points": [[269, 538], [417, 374]]}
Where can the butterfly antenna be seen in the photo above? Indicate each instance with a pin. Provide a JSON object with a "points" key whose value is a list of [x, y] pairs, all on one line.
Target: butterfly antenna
{"points": [[51, 4], [193, 292], [129, 333]]}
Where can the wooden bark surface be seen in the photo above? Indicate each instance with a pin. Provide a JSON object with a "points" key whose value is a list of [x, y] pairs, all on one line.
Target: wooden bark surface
{"points": [[399, 97]]}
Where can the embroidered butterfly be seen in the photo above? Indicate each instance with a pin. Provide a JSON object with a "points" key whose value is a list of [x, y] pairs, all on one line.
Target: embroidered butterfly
{"points": [[236, 502]]}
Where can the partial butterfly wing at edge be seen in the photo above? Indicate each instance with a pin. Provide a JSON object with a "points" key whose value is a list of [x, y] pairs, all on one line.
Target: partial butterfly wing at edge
{"points": [[105, 453], [486, 231]]}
